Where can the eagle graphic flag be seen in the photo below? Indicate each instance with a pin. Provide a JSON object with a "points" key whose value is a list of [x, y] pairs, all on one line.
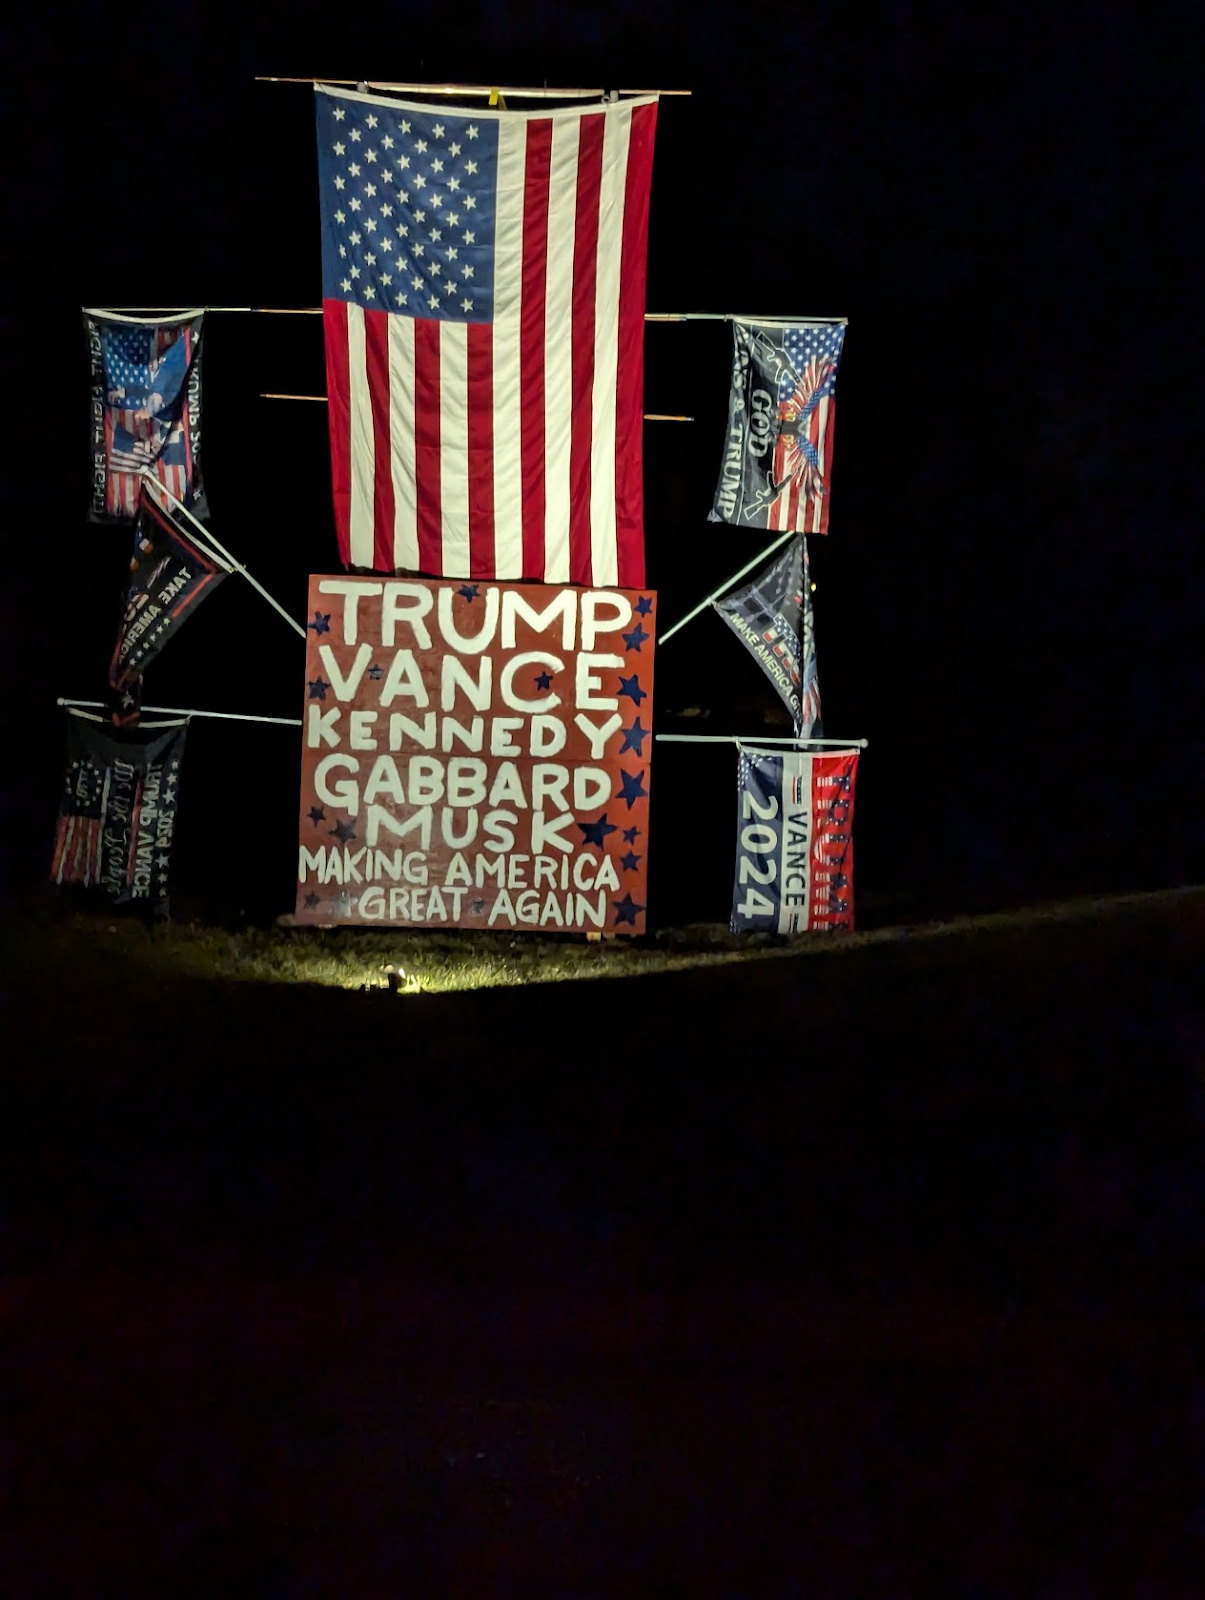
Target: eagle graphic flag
{"points": [[779, 449]]}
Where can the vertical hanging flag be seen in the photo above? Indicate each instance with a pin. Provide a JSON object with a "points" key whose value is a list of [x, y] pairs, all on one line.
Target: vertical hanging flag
{"points": [[146, 410], [772, 617], [795, 854], [171, 571], [117, 814], [483, 278], [779, 450]]}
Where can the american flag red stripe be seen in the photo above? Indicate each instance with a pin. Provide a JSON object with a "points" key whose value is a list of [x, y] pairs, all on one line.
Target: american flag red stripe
{"points": [[511, 448]]}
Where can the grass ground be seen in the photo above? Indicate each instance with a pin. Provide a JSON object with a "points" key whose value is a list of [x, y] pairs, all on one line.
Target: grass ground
{"points": [[100, 948], [837, 1267]]}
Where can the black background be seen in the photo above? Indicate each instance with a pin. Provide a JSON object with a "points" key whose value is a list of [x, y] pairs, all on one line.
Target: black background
{"points": [[1004, 205], [866, 1273]]}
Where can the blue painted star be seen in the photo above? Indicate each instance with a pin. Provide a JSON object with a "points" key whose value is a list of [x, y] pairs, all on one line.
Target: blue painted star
{"points": [[477, 907], [543, 680], [596, 832], [344, 832], [343, 903], [633, 738], [310, 901], [633, 640], [644, 605], [374, 672], [626, 910], [633, 787], [630, 835], [318, 688], [628, 862], [317, 814], [321, 622], [468, 590], [631, 687]]}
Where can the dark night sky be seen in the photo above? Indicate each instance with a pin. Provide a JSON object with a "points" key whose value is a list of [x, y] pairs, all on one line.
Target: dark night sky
{"points": [[1005, 204]]}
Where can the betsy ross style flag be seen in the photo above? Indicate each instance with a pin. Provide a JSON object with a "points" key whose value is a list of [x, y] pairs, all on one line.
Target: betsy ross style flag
{"points": [[483, 291], [779, 450], [146, 410]]}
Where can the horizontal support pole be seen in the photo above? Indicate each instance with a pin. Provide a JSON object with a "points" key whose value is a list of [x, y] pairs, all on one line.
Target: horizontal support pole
{"points": [[649, 316], [180, 711], [486, 90], [732, 738]]}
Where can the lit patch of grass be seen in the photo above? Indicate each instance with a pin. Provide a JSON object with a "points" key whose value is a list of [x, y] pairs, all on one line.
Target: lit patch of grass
{"points": [[105, 949]]}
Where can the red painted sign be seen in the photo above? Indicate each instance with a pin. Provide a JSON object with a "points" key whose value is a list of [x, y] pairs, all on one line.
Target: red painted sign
{"points": [[476, 755]]}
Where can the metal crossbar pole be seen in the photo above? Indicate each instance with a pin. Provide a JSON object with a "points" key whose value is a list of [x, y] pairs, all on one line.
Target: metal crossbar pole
{"points": [[207, 537], [649, 316], [732, 738], [544, 93], [727, 584], [73, 707], [180, 711]]}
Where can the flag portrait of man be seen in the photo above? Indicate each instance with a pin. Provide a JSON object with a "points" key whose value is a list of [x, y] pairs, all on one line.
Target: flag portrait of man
{"points": [[146, 392]]}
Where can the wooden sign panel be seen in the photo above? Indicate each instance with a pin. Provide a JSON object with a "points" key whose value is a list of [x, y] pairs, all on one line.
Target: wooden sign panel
{"points": [[476, 755]]}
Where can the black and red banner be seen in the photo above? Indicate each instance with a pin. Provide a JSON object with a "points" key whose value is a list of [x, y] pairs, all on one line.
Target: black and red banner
{"points": [[117, 814]]}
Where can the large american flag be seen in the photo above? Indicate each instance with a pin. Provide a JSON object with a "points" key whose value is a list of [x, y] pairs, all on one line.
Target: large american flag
{"points": [[483, 288]]}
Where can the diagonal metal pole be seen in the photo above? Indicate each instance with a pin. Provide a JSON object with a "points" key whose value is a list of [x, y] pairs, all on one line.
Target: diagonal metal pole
{"points": [[727, 584]]}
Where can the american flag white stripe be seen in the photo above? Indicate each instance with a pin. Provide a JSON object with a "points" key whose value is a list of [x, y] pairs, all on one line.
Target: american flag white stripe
{"points": [[603, 554], [508, 277], [401, 434], [558, 347], [491, 469], [454, 447], [363, 447]]}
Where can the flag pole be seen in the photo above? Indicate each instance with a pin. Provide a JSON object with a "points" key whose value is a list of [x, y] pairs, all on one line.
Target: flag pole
{"points": [[236, 566], [731, 738], [179, 711], [255, 584], [727, 584], [72, 706], [544, 93], [316, 311]]}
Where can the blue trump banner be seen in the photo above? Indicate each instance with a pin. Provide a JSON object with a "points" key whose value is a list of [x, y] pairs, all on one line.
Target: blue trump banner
{"points": [[772, 617], [146, 410], [794, 854]]}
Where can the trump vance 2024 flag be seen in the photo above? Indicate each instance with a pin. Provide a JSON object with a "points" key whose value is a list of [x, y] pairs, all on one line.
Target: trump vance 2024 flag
{"points": [[779, 449], [794, 853], [117, 814], [483, 279], [146, 410]]}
